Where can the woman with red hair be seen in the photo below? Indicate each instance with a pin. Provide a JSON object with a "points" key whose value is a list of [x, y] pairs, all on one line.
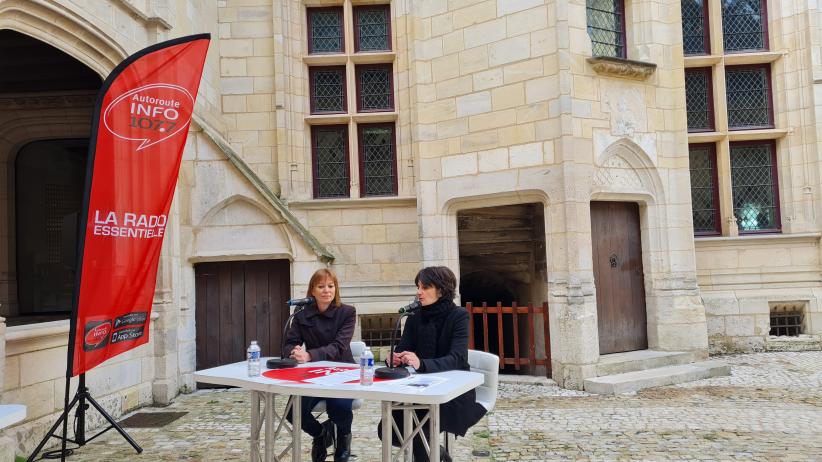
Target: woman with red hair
{"points": [[322, 332]]}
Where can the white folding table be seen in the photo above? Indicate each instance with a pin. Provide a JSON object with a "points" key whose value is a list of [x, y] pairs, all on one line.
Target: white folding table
{"points": [[402, 394]]}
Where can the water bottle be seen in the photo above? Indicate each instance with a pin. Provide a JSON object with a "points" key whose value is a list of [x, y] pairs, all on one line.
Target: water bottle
{"points": [[253, 356], [367, 367]]}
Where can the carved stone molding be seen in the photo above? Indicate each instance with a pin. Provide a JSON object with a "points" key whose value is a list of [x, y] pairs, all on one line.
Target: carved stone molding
{"points": [[616, 172], [621, 67], [43, 101]]}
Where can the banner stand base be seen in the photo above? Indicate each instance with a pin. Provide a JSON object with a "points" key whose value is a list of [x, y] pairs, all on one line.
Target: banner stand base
{"points": [[80, 397]]}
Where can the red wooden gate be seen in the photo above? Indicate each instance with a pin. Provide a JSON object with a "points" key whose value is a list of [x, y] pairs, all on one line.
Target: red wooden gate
{"points": [[517, 359]]}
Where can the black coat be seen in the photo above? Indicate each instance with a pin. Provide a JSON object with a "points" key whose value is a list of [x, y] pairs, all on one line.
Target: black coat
{"points": [[327, 335], [448, 352]]}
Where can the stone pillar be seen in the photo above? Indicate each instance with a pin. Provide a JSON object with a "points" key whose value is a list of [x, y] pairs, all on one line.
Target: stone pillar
{"points": [[165, 383], [6, 443], [676, 315], [2, 351], [571, 295]]}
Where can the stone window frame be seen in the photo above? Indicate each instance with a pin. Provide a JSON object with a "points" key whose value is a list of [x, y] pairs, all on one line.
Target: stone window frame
{"points": [[312, 71], [771, 119], [765, 30], [623, 45], [774, 186], [387, 10], [352, 117], [358, 70], [706, 33], [361, 156], [315, 160], [708, 72], [717, 231], [724, 135], [310, 11]]}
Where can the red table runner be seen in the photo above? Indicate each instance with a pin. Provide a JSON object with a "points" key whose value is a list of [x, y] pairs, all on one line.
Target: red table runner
{"points": [[304, 374]]}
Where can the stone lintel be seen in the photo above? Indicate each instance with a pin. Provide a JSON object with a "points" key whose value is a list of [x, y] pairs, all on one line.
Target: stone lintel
{"points": [[50, 100], [621, 67]]}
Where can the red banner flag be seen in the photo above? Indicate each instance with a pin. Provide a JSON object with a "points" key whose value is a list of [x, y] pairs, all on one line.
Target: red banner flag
{"points": [[140, 127]]}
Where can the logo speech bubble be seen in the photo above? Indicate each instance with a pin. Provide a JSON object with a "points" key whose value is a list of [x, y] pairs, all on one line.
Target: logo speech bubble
{"points": [[96, 334], [149, 114]]}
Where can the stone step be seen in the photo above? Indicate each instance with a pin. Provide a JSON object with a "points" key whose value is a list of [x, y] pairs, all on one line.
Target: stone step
{"points": [[630, 361], [657, 377]]}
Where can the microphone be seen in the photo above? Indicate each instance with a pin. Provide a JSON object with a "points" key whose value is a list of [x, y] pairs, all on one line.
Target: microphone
{"points": [[300, 301], [399, 372], [283, 363], [410, 309]]}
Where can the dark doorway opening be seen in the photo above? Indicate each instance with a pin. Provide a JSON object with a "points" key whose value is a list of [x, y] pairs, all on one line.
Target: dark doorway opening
{"points": [[503, 259], [49, 179], [29, 65], [52, 94]]}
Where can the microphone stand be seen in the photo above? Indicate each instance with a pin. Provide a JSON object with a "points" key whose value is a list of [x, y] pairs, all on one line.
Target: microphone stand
{"points": [[283, 363], [390, 372]]}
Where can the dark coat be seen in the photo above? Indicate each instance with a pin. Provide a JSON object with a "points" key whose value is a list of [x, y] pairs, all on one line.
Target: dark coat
{"points": [[450, 353], [327, 335]]}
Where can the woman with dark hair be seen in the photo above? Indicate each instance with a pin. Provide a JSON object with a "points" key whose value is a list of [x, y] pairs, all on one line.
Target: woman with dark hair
{"points": [[436, 340], [325, 327]]}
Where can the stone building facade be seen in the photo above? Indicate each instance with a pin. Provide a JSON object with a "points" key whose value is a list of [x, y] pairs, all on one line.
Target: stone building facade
{"points": [[511, 140]]}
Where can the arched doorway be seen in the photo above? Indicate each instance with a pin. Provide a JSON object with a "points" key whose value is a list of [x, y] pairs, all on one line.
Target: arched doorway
{"points": [[503, 260], [46, 105]]}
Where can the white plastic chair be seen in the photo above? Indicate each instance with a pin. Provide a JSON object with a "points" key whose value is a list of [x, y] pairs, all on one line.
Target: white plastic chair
{"points": [[486, 364], [357, 348]]}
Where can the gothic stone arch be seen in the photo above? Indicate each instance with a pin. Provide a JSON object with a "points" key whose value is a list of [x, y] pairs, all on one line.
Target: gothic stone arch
{"points": [[625, 173]]}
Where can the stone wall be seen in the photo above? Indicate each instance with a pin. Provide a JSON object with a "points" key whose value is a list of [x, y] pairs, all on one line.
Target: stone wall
{"points": [[742, 276], [509, 110], [247, 82], [264, 75], [34, 375], [99, 35]]}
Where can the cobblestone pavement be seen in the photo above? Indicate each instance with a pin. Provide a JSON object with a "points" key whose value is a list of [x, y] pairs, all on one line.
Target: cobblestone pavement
{"points": [[770, 409]]}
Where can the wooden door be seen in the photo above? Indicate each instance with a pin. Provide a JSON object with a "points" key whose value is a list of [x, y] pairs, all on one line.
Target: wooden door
{"points": [[618, 277], [237, 302]]}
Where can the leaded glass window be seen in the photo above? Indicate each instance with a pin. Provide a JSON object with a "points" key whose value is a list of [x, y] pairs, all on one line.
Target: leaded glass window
{"points": [[374, 88], [325, 30], [695, 39], [372, 28], [327, 89], [744, 25], [699, 99], [606, 27], [749, 97], [378, 160], [330, 148], [754, 187], [704, 190]]}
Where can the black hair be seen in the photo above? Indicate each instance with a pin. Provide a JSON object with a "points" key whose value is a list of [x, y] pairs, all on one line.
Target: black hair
{"points": [[440, 277]]}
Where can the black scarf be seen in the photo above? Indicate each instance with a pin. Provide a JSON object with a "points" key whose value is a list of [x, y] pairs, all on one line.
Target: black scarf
{"points": [[431, 323]]}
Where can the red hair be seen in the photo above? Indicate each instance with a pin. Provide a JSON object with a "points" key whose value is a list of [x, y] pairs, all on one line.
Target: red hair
{"points": [[321, 275]]}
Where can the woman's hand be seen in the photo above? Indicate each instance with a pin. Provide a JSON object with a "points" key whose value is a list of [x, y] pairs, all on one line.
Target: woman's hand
{"points": [[300, 354], [396, 360], [410, 358]]}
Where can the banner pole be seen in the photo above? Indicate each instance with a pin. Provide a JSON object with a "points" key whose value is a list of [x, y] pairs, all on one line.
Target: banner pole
{"points": [[65, 419], [80, 432]]}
